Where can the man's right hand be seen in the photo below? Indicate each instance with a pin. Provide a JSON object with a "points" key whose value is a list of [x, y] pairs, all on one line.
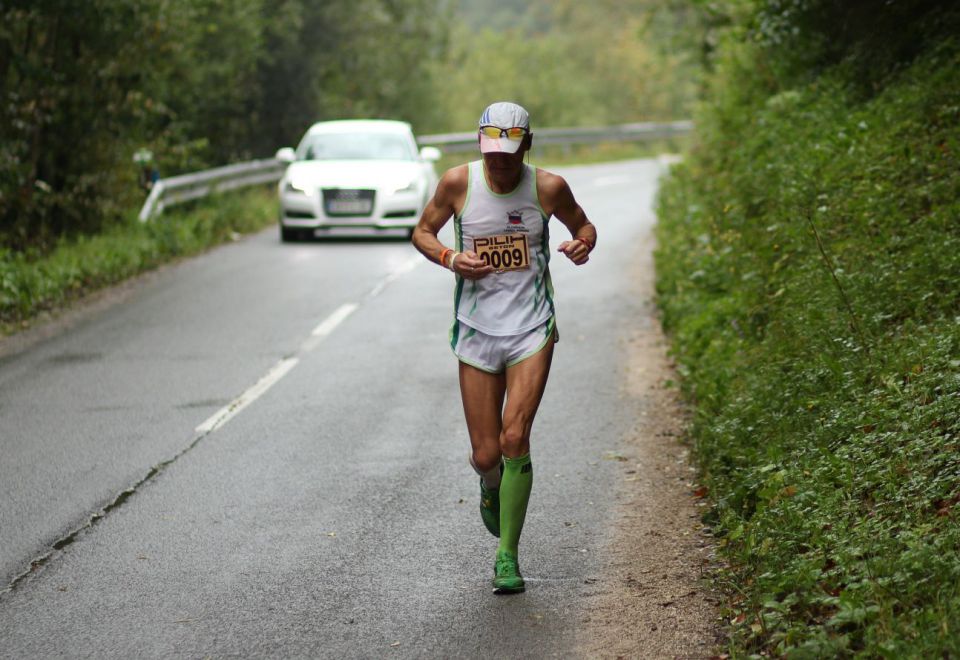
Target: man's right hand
{"points": [[468, 265]]}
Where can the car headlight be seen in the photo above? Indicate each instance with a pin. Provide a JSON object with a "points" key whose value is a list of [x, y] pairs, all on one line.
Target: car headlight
{"points": [[404, 185], [300, 187]]}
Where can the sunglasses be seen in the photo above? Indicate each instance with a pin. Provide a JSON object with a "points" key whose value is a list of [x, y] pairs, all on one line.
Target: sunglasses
{"points": [[515, 133]]}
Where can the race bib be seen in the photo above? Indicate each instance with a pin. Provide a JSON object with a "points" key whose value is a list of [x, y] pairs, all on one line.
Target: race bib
{"points": [[506, 252]]}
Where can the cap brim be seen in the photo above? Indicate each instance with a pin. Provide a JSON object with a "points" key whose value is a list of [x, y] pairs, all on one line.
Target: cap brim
{"points": [[489, 145]]}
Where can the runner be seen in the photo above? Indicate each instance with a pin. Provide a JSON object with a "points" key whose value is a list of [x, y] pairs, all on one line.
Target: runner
{"points": [[504, 327]]}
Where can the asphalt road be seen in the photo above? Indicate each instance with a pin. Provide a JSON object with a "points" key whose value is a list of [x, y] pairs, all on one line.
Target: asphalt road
{"points": [[261, 452]]}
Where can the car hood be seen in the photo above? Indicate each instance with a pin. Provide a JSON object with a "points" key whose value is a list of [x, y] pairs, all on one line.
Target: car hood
{"points": [[353, 173]]}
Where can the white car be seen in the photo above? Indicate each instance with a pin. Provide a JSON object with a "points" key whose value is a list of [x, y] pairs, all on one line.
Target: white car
{"points": [[356, 177]]}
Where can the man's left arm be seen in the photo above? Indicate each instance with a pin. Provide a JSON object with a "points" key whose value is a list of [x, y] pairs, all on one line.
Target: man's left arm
{"points": [[557, 199]]}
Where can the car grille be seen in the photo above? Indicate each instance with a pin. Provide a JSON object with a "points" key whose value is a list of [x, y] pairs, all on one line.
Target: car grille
{"points": [[339, 202]]}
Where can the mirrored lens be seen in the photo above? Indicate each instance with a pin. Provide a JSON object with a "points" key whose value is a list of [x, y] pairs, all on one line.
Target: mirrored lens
{"points": [[515, 133]]}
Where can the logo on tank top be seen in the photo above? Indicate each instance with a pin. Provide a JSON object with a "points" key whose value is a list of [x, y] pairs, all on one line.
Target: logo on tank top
{"points": [[515, 221]]}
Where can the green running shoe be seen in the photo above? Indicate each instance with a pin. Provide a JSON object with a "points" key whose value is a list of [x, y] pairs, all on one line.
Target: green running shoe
{"points": [[506, 574], [490, 508]]}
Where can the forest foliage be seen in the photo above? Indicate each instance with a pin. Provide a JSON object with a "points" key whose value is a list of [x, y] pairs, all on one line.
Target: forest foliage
{"points": [[85, 85], [809, 274], [572, 63]]}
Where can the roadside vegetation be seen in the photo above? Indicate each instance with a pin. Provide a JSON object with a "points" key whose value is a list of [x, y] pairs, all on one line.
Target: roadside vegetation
{"points": [[32, 283], [809, 275]]}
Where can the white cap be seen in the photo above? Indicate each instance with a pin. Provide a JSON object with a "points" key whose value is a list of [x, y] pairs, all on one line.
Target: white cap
{"points": [[503, 115]]}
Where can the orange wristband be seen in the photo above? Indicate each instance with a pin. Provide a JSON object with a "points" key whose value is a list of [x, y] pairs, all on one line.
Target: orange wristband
{"points": [[443, 256]]}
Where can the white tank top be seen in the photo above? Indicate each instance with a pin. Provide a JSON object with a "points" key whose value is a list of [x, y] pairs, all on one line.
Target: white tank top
{"points": [[510, 302]]}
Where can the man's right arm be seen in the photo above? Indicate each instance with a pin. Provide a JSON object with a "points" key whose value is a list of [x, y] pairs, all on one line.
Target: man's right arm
{"points": [[449, 196]]}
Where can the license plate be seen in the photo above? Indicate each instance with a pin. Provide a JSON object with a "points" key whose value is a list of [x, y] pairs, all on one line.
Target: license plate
{"points": [[350, 206], [348, 202], [505, 252]]}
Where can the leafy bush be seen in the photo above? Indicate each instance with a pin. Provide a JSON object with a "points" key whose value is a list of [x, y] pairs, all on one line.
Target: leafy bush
{"points": [[809, 273], [806, 37]]}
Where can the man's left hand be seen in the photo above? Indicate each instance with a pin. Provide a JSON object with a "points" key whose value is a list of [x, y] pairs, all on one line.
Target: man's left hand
{"points": [[576, 251]]}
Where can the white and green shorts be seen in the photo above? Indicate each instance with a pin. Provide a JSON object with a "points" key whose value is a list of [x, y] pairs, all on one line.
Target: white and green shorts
{"points": [[494, 354]]}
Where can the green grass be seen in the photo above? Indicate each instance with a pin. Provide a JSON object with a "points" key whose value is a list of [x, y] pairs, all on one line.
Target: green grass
{"points": [[809, 275], [31, 285]]}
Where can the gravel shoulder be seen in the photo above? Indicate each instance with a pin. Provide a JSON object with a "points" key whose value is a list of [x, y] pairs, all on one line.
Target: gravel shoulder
{"points": [[656, 600]]}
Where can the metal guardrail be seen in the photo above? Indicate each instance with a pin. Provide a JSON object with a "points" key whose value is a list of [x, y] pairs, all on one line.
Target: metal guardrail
{"points": [[182, 188], [176, 189]]}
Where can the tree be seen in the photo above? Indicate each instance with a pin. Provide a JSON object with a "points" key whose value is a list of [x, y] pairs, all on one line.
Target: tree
{"points": [[85, 85]]}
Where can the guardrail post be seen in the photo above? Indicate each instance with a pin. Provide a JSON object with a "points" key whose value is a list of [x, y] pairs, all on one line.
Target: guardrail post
{"points": [[153, 199]]}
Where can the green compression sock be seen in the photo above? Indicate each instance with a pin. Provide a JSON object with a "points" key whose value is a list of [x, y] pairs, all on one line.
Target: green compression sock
{"points": [[514, 494]]}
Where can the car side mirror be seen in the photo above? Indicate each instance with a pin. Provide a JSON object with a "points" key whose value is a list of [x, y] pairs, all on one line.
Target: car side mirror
{"points": [[431, 154], [286, 155]]}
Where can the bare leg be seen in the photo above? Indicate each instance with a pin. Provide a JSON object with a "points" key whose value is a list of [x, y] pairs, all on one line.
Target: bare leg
{"points": [[482, 394], [495, 430], [525, 383]]}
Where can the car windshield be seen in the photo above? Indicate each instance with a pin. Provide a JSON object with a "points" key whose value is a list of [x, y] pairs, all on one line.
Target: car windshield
{"points": [[356, 146]]}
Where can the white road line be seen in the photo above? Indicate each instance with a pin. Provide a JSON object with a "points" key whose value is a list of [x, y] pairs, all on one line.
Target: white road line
{"points": [[330, 323], [227, 413], [280, 370], [327, 326], [321, 332], [401, 270]]}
